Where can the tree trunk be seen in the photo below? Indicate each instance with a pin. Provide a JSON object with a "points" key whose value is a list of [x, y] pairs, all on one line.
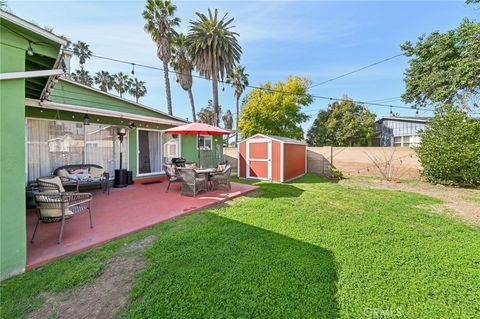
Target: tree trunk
{"points": [[215, 93], [167, 86], [192, 104], [236, 123], [136, 98]]}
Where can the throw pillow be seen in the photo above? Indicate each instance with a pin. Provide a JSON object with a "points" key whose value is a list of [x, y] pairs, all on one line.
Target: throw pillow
{"points": [[96, 172], [54, 180], [62, 173], [80, 171], [191, 165]]}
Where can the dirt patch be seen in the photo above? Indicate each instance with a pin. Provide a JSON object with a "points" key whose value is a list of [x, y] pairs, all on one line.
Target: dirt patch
{"points": [[106, 295], [460, 202]]}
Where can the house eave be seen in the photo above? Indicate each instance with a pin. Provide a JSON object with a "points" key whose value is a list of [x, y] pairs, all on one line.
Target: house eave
{"points": [[33, 28], [101, 112]]}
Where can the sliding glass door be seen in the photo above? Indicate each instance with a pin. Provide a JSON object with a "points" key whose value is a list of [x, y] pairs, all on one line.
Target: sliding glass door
{"points": [[149, 152]]}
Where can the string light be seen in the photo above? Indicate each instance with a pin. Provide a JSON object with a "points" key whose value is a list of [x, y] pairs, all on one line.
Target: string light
{"points": [[29, 49], [133, 69], [267, 89]]}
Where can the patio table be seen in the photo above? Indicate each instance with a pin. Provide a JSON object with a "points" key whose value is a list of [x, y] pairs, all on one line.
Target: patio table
{"points": [[206, 172]]}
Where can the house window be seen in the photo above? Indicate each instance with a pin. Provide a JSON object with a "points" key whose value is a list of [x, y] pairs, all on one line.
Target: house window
{"points": [[51, 144], [149, 152], [397, 141], [204, 142]]}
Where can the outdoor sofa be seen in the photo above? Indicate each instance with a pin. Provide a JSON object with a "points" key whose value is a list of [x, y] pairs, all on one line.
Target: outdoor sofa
{"points": [[83, 175]]}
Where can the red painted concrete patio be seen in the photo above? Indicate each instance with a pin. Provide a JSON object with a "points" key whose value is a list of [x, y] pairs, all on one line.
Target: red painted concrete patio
{"points": [[124, 211]]}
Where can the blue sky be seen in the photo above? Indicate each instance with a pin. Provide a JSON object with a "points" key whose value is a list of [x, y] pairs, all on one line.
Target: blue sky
{"points": [[316, 39]]}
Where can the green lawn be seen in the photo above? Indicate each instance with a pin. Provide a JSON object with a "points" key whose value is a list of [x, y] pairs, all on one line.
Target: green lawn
{"points": [[307, 249]]}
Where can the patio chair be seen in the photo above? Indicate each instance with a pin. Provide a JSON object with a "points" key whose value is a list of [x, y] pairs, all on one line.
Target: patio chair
{"points": [[192, 183], [173, 175], [55, 205], [222, 178]]}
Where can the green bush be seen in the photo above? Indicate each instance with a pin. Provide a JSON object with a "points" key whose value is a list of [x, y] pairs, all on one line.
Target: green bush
{"points": [[335, 171], [450, 148]]}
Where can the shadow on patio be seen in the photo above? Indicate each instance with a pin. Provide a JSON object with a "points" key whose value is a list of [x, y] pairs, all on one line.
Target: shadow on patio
{"points": [[124, 211]]}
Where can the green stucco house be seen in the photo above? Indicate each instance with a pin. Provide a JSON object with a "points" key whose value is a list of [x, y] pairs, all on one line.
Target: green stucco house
{"points": [[43, 125]]}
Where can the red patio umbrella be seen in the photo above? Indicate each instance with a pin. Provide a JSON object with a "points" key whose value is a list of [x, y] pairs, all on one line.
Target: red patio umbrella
{"points": [[197, 129]]}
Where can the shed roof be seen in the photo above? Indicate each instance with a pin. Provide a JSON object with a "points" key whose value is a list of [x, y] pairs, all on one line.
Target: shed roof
{"points": [[280, 139]]}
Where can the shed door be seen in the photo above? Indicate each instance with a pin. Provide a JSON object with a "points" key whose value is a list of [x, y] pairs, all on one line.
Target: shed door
{"points": [[259, 158]]}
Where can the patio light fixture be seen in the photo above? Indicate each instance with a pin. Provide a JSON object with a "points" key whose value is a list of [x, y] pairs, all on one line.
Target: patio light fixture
{"points": [[86, 119], [29, 49], [121, 132]]}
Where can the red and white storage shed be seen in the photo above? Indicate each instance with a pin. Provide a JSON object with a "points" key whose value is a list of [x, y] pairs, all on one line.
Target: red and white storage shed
{"points": [[271, 158]]}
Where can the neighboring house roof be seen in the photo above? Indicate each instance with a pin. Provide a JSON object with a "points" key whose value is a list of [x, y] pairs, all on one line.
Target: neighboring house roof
{"points": [[417, 119], [279, 138]]}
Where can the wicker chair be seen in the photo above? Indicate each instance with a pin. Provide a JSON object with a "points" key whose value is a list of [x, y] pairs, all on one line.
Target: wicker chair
{"points": [[192, 184], [54, 206], [172, 174], [222, 179]]}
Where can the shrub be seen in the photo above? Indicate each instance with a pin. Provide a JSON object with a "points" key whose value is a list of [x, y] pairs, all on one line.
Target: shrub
{"points": [[450, 148], [335, 172]]}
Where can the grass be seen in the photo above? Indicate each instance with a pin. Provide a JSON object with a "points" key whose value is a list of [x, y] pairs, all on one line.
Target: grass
{"points": [[307, 249]]}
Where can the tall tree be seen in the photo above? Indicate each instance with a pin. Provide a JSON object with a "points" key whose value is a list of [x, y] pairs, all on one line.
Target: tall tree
{"points": [[104, 81], [343, 123], [82, 76], [276, 108], [137, 89], [82, 51], [444, 67], [238, 79], [121, 83], [215, 49], [207, 114], [227, 119], [182, 63], [160, 23]]}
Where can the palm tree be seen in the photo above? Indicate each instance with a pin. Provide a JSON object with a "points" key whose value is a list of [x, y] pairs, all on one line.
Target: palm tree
{"points": [[82, 51], [82, 76], [104, 80], [215, 49], [137, 89], [121, 83], [238, 79], [182, 63], [228, 120], [160, 23]]}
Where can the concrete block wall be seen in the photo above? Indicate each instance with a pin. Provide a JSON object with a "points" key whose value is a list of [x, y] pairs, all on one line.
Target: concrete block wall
{"points": [[355, 160]]}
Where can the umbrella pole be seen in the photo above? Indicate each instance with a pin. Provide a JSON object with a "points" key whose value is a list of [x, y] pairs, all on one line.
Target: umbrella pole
{"points": [[198, 150]]}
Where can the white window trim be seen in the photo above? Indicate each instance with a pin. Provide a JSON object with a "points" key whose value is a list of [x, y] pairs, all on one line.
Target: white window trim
{"points": [[138, 154], [211, 142]]}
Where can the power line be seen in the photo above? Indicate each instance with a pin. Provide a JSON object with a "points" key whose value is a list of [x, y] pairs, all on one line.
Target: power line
{"points": [[249, 86], [355, 71], [269, 89]]}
